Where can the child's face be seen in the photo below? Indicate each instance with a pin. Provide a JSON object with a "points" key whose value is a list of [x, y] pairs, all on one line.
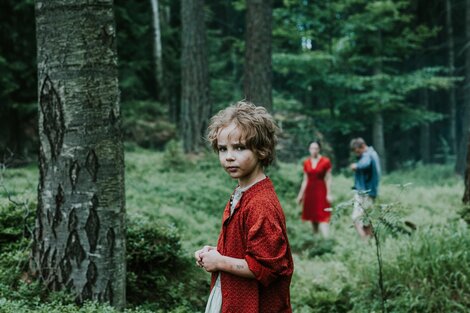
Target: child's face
{"points": [[237, 160]]}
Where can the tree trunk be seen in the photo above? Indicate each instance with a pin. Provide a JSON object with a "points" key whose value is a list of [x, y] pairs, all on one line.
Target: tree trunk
{"points": [[451, 62], [466, 195], [378, 140], [195, 107], [157, 49], [258, 67], [425, 132], [462, 154], [79, 238]]}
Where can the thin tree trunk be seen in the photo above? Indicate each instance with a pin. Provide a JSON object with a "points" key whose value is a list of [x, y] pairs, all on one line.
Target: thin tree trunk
{"points": [[466, 195], [195, 107], [425, 132], [157, 49], [79, 238], [173, 90], [462, 154], [258, 67], [451, 62], [378, 140]]}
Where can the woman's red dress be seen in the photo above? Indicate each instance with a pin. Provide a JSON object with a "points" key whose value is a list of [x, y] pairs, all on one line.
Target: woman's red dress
{"points": [[315, 201]]}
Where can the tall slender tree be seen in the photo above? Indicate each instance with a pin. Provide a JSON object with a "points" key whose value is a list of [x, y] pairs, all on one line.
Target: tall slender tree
{"points": [[79, 238], [451, 65], [424, 144], [378, 137], [258, 67], [157, 48], [195, 106], [462, 156]]}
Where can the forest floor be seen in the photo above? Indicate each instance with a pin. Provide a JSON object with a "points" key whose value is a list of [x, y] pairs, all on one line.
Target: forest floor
{"points": [[426, 271]]}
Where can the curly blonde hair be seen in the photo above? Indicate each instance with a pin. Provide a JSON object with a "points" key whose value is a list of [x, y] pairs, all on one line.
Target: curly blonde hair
{"points": [[255, 123]]}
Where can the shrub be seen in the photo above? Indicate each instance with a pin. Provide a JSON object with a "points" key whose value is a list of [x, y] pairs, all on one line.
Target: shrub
{"points": [[465, 213], [321, 299], [15, 225], [429, 274], [174, 158], [146, 123], [160, 274]]}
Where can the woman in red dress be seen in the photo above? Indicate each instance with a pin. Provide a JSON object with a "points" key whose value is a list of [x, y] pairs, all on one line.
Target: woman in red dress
{"points": [[315, 192]]}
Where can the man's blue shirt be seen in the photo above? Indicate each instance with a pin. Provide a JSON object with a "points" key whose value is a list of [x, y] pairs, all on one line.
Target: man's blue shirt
{"points": [[367, 175]]}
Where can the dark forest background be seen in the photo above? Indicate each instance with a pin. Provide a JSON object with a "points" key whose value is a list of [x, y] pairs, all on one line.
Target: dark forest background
{"points": [[341, 69]]}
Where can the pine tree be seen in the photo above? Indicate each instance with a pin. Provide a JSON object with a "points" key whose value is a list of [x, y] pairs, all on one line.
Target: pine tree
{"points": [[195, 105]]}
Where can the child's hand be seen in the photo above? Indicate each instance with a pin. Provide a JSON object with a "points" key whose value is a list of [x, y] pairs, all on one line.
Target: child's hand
{"points": [[197, 254], [210, 260]]}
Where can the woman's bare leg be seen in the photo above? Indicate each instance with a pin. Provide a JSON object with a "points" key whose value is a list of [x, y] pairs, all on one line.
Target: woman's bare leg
{"points": [[324, 229]]}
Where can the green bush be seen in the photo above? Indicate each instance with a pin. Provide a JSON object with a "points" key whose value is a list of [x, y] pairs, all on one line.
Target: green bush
{"points": [[23, 306], [429, 274], [465, 213], [320, 299], [146, 123], [16, 223], [174, 157], [160, 274]]}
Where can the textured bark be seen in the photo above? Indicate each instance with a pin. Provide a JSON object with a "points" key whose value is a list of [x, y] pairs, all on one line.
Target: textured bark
{"points": [[378, 139], [258, 64], [79, 241], [462, 153], [157, 48], [451, 62], [425, 133], [195, 106]]}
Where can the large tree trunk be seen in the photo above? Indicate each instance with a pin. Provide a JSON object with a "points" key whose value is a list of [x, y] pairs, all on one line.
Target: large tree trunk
{"points": [[378, 139], [79, 239], [425, 132], [258, 67], [462, 153], [195, 107], [451, 62], [157, 49]]}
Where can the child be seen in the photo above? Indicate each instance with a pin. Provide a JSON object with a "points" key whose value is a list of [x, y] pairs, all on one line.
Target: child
{"points": [[252, 264]]}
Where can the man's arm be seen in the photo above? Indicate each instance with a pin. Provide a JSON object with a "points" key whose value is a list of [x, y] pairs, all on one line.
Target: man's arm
{"points": [[364, 162]]}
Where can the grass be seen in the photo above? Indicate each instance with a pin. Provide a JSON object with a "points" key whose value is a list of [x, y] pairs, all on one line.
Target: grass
{"points": [[339, 275]]}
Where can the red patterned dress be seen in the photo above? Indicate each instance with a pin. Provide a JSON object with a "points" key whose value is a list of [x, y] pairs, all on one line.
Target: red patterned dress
{"points": [[315, 201]]}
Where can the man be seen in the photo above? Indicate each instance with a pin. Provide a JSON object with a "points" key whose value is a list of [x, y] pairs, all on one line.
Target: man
{"points": [[366, 182]]}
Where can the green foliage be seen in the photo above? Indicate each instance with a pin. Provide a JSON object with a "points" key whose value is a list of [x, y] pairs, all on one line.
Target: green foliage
{"points": [[429, 274], [160, 275], [18, 82], [8, 306], [465, 213], [321, 299], [15, 229], [174, 212], [174, 157], [146, 124]]}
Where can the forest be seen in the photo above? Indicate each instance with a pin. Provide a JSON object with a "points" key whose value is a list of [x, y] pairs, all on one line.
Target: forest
{"points": [[108, 184]]}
